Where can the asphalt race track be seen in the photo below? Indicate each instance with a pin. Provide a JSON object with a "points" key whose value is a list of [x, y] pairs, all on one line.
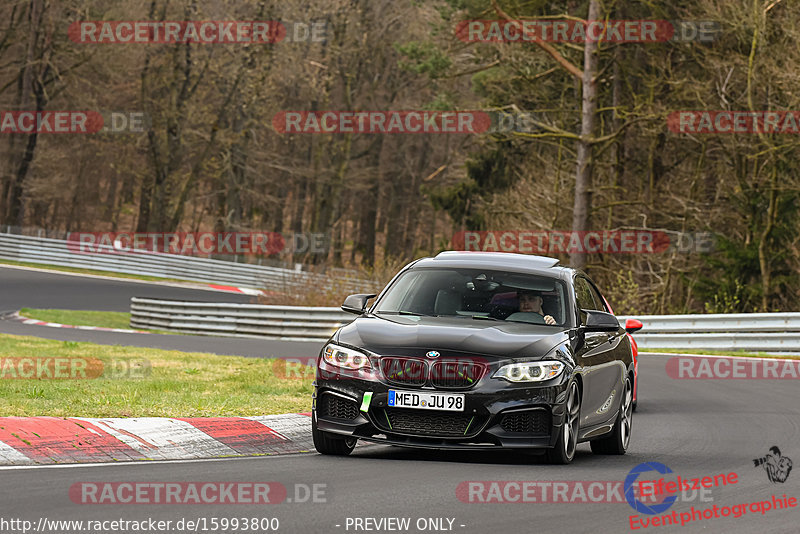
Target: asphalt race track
{"points": [[51, 290], [697, 428], [22, 288]]}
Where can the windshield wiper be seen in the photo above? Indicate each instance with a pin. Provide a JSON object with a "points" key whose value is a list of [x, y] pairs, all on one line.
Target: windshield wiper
{"points": [[476, 317], [528, 322], [404, 312], [483, 318]]}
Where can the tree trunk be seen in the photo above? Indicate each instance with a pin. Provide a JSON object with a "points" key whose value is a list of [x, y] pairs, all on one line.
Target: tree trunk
{"points": [[369, 208], [30, 93], [583, 176], [763, 244]]}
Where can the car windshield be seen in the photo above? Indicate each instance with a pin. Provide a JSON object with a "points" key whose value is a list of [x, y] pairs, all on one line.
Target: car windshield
{"points": [[476, 294]]}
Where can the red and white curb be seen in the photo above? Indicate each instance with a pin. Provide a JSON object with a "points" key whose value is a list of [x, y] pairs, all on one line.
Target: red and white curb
{"points": [[56, 440], [182, 284], [25, 320], [244, 290]]}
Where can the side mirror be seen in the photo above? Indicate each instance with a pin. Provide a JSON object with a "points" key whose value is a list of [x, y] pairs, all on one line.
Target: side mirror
{"points": [[598, 321], [633, 325], [356, 303]]}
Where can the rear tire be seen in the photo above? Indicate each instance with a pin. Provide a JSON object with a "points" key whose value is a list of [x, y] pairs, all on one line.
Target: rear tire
{"points": [[620, 437], [567, 441], [331, 444]]}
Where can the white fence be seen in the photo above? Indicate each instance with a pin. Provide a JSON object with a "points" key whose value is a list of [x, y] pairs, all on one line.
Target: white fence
{"points": [[767, 332], [241, 320], [41, 250]]}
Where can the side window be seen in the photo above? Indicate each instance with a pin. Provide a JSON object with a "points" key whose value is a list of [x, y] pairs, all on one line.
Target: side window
{"points": [[600, 303], [584, 294], [585, 299]]}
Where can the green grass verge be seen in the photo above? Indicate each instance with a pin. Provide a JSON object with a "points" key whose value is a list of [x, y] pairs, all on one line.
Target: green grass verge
{"points": [[179, 384], [88, 318], [80, 317], [722, 353]]}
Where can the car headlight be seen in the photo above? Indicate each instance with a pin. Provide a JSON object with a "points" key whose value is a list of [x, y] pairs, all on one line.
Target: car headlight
{"points": [[344, 357], [530, 371]]}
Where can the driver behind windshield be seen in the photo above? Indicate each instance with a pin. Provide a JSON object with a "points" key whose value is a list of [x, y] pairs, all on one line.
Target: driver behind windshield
{"points": [[531, 301]]}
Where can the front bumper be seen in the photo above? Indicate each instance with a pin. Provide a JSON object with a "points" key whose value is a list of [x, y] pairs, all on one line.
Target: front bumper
{"points": [[496, 414]]}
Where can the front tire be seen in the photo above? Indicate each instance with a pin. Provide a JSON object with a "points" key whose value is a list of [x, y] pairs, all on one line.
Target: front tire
{"points": [[330, 444], [567, 441], [618, 440]]}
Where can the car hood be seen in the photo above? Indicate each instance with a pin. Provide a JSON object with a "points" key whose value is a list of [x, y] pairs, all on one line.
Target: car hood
{"points": [[414, 335]]}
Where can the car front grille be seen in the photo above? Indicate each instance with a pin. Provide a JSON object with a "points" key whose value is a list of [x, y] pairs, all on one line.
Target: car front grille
{"points": [[422, 423], [405, 371], [336, 407], [456, 374], [527, 422]]}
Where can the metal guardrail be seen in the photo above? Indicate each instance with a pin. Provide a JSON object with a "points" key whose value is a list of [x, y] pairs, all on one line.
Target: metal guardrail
{"points": [[771, 342], [768, 332], [241, 320], [728, 322], [56, 252]]}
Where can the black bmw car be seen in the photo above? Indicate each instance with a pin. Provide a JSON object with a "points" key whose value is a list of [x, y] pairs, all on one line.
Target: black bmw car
{"points": [[474, 350]]}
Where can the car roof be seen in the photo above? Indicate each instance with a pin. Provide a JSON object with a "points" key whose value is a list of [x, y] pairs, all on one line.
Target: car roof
{"points": [[506, 261]]}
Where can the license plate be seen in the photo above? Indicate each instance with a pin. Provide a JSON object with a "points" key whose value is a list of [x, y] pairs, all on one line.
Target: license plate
{"points": [[451, 402]]}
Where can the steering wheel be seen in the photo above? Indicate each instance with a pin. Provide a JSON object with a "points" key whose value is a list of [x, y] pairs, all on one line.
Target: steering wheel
{"points": [[526, 317], [501, 311]]}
